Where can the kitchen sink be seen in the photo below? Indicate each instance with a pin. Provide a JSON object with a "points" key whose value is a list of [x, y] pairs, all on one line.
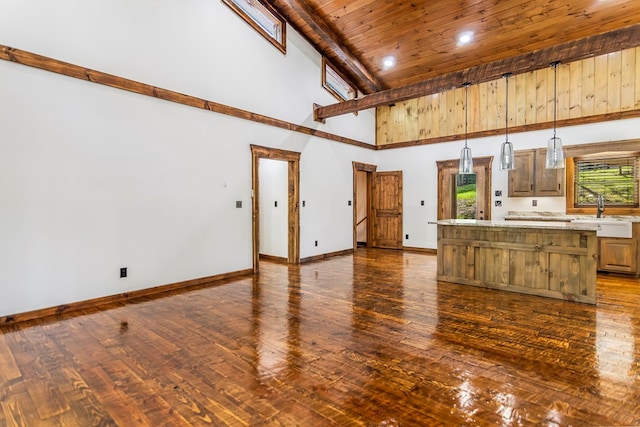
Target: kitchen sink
{"points": [[608, 227]]}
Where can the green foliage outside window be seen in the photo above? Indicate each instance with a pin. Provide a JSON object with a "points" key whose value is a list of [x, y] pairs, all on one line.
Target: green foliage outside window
{"points": [[614, 178], [466, 196]]}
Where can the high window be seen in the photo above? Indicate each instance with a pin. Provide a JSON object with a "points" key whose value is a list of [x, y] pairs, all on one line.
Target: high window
{"points": [[336, 83], [264, 19], [612, 175]]}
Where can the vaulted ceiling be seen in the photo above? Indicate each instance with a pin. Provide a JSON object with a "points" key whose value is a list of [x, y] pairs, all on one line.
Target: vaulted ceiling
{"points": [[423, 37]]}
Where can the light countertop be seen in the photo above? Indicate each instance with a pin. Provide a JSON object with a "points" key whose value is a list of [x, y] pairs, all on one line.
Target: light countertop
{"points": [[561, 216], [558, 225]]}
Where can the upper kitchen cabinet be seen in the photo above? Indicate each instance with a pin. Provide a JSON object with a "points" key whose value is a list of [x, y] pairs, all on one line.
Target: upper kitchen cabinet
{"points": [[531, 178]]}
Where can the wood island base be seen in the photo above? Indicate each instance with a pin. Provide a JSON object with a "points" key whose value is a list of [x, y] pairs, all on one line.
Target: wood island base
{"points": [[556, 260]]}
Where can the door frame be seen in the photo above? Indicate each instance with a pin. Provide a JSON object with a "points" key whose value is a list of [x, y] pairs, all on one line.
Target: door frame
{"points": [[293, 184], [369, 169], [481, 165]]}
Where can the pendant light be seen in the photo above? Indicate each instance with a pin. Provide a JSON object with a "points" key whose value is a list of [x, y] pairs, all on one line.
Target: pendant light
{"points": [[466, 161], [555, 154], [506, 150]]}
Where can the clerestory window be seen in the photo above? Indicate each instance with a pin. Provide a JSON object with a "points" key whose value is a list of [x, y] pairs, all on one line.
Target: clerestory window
{"points": [[264, 19], [335, 83]]}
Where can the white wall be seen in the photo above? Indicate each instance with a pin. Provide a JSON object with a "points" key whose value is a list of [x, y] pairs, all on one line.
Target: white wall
{"points": [[420, 172], [93, 179], [274, 219]]}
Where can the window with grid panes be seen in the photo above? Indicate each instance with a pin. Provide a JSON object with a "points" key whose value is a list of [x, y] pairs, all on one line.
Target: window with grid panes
{"points": [[615, 178]]}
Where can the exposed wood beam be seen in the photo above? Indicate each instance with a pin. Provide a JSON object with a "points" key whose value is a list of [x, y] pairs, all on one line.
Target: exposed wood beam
{"points": [[71, 70], [600, 44], [329, 44]]}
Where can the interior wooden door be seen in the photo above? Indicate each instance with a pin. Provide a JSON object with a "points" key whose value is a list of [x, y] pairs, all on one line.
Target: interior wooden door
{"points": [[386, 210]]}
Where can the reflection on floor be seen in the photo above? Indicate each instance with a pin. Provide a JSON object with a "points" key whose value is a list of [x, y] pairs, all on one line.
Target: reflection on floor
{"points": [[370, 339]]}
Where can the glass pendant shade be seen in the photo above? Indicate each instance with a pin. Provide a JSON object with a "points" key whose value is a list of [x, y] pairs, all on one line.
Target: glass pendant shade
{"points": [[466, 161], [555, 154], [506, 156], [506, 150]]}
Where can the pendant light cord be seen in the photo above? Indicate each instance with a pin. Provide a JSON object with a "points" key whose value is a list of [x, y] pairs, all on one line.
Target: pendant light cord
{"points": [[506, 108], [555, 95], [466, 111]]}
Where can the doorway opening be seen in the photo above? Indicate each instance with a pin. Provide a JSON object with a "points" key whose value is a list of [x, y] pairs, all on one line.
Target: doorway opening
{"points": [[464, 196], [380, 221], [293, 214], [362, 175], [273, 198]]}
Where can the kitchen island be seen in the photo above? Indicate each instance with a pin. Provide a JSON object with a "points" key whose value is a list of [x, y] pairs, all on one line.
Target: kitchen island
{"points": [[550, 259]]}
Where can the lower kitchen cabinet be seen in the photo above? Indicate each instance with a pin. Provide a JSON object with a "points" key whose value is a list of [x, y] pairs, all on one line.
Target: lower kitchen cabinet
{"points": [[619, 255]]}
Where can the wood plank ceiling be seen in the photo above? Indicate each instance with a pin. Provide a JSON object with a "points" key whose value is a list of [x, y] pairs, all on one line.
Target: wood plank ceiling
{"points": [[357, 35]]}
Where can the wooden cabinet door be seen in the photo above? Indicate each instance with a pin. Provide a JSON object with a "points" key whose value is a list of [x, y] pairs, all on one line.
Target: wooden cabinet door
{"points": [[617, 254], [386, 210], [521, 179], [547, 182]]}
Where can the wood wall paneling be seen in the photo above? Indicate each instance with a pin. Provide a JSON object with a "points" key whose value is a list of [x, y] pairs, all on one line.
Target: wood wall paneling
{"points": [[599, 88], [575, 94], [637, 82], [628, 74]]}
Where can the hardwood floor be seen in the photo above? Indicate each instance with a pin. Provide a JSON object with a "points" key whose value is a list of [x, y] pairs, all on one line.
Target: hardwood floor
{"points": [[370, 339]]}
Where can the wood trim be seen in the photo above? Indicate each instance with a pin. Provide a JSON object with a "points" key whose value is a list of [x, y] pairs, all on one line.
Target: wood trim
{"points": [[293, 183], [70, 70], [598, 147], [294, 213], [364, 167], [595, 45], [427, 251], [327, 255], [273, 258], [275, 153], [630, 114], [122, 297]]}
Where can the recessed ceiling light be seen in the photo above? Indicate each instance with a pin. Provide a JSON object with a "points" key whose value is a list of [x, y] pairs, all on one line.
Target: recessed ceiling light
{"points": [[388, 61], [465, 38]]}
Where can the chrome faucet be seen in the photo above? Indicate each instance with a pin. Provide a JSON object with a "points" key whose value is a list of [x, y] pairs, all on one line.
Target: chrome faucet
{"points": [[600, 206]]}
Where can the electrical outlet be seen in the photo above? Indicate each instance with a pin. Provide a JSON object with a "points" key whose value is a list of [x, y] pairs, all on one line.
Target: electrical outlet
{"points": [[123, 272], [238, 204], [498, 203], [406, 236], [349, 202], [316, 243], [303, 203], [275, 203], [421, 202], [534, 203]]}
